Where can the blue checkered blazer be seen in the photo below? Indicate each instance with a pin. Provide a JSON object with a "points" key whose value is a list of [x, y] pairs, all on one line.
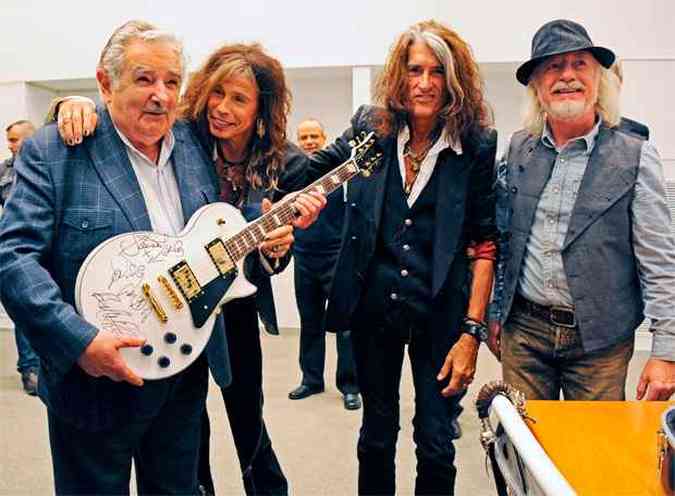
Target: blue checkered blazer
{"points": [[66, 201]]}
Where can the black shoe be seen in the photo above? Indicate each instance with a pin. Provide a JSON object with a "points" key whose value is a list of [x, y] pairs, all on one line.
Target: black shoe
{"points": [[29, 380], [352, 401], [303, 391], [455, 429]]}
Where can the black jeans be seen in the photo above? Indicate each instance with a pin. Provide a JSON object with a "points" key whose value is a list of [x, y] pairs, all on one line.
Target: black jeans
{"points": [[164, 446], [261, 471], [312, 275], [379, 359]]}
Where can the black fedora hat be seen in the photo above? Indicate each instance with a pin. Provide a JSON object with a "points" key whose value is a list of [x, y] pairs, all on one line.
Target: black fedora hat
{"points": [[561, 36]]}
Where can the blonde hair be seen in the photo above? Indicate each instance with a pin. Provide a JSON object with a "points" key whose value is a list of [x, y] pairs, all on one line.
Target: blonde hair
{"points": [[607, 105]]}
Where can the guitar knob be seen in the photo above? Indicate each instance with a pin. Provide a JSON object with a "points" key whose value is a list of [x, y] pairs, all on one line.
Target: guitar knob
{"points": [[147, 349], [164, 362], [186, 349], [170, 337]]}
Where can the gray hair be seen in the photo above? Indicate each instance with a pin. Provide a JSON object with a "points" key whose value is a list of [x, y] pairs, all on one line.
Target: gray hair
{"points": [[113, 54], [444, 55], [608, 104]]}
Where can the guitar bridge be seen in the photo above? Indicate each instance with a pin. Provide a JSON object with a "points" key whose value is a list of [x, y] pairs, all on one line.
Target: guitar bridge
{"points": [[156, 306]]}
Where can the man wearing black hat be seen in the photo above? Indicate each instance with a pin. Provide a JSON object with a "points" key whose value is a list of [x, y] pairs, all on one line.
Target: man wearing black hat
{"points": [[590, 253]]}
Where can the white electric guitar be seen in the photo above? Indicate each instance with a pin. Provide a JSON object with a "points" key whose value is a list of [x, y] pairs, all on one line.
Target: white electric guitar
{"points": [[168, 289]]}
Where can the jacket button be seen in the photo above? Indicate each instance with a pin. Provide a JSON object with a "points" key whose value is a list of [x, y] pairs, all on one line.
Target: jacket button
{"points": [[406, 247], [353, 238], [393, 296], [353, 205], [85, 224], [514, 190], [404, 273], [408, 222]]}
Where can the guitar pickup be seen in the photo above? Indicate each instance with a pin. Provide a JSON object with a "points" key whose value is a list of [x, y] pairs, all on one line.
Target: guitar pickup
{"points": [[185, 280], [221, 259]]}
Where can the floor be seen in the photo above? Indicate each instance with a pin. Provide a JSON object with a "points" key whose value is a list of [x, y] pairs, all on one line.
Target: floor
{"points": [[315, 438]]}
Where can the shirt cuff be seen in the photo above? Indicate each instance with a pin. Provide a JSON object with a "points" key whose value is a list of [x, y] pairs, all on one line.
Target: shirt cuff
{"points": [[663, 346]]}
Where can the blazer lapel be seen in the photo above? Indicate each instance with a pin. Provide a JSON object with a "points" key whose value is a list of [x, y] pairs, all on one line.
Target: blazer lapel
{"points": [[109, 157], [450, 167], [196, 184], [378, 182]]}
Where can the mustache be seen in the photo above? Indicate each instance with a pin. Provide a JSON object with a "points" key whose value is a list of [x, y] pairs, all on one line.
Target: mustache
{"points": [[574, 85], [155, 108]]}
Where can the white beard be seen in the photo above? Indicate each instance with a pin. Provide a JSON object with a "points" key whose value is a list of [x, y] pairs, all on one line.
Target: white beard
{"points": [[566, 110]]}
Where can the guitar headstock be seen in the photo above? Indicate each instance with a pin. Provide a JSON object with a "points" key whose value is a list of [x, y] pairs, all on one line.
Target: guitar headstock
{"points": [[366, 153]]}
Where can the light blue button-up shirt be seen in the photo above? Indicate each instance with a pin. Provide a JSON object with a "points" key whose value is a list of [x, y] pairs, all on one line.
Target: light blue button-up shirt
{"points": [[543, 278]]}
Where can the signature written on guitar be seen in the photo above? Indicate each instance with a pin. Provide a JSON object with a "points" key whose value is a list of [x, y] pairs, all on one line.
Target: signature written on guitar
{"points": [[139, 251]]}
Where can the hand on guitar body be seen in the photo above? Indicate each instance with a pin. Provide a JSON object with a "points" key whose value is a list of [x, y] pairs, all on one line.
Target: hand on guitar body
{"points": [[102, 358]]}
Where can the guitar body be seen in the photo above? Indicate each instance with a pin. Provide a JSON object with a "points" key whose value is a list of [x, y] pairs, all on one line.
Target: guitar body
{"points": [[168, 289], [164, 289]]}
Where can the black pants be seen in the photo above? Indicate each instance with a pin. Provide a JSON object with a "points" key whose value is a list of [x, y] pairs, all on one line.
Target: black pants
{"points": [[261, 471], [165, 446], [312, 285], [379, 359]]}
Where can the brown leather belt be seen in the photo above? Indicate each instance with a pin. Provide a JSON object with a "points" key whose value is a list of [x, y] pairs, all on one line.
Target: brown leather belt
{"points": [[560, 316]]}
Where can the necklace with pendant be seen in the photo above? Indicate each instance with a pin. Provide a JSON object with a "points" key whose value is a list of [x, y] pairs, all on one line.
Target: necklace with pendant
{"points": [[415, 160]]}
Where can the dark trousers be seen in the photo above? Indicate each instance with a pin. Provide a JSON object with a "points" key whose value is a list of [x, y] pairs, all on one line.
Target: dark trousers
{"points": [[164, 447], [379, 360], [261, 471], [312, 285]]}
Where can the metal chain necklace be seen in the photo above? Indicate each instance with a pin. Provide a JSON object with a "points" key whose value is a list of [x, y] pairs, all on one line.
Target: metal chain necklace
{"points": [[415, 160]]}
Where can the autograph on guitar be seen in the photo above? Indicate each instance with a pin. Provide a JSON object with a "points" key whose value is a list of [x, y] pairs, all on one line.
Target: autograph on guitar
{"points": [[169, 289]]}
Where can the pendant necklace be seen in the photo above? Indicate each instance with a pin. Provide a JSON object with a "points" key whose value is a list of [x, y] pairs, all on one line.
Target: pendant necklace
{"points": [[416, 160]]}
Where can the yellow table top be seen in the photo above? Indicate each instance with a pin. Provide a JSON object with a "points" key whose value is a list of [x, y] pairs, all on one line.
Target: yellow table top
{"points": [[602, 447]]}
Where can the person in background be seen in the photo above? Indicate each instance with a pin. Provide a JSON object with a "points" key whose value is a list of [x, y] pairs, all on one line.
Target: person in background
{"points": [[589, 252], [315, 253], [28, 364]]}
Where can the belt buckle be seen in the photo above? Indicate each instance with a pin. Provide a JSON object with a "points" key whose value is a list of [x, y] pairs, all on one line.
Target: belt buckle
{"points": [[554, 321]]}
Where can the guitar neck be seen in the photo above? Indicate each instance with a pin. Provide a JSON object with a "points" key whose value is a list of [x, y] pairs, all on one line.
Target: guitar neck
{"points": [[249, 238]]}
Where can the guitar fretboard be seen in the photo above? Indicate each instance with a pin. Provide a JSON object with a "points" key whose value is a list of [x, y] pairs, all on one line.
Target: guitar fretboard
{"points": [[247, 240]]}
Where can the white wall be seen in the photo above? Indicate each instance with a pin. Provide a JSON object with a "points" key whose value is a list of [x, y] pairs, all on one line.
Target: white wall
{"points": [[51, 48], [57, 40]]}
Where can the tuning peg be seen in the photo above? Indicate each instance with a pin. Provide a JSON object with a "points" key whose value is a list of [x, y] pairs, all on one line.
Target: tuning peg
{"points": [[365, 173], [352, 143]]}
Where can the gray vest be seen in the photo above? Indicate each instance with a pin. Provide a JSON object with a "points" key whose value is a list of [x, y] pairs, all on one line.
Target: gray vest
{"points": [[598, 253]]}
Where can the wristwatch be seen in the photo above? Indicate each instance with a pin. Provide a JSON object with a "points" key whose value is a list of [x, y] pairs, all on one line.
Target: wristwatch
{"points": [[475, 328]]}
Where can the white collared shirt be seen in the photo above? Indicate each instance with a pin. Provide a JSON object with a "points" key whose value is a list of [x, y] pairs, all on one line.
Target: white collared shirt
{"points": [[158, 185], [428, 164]]}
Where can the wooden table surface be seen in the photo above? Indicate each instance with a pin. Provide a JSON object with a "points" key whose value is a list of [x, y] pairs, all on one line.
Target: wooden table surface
{"points": [[602, 447]]}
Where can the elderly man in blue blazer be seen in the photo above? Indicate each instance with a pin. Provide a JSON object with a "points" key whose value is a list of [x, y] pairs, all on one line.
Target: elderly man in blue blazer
{"points": [[140, 171]]}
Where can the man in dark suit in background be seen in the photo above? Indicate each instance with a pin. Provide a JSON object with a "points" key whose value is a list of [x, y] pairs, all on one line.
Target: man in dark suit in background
{"points": [[28, 363], [140, 171], [315, 253]]}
